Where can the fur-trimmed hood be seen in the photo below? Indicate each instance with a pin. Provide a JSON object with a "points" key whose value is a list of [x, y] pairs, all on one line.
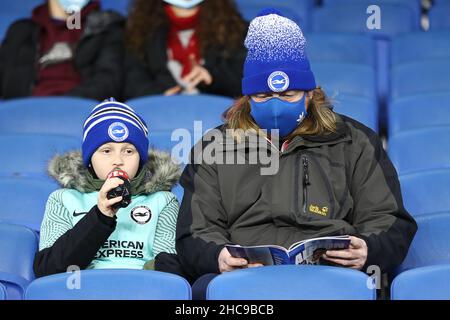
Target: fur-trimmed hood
{"points": [[161, 173]]}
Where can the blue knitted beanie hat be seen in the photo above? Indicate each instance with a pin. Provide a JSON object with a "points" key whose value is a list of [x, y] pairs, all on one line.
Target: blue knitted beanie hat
{"points": [[112, 121], [276, 59]]}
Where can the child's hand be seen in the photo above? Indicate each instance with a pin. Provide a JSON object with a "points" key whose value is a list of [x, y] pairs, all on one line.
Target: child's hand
{"points": [[104, 204]]}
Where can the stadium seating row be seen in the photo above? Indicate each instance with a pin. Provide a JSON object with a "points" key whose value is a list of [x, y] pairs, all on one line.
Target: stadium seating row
{"points": [[304, 12], [423, 275], [44, 116], [31, 134], [416, 86], [400, 17]]}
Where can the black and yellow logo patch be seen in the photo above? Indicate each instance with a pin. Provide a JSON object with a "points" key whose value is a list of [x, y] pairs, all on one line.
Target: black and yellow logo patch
{"points": [[323, 211]]}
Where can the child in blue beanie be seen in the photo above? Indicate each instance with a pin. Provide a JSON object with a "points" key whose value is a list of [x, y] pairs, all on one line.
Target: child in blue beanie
{"points": [[82, 226]]}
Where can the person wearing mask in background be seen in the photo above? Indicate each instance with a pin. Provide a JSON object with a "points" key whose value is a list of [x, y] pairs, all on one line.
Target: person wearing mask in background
{"points": [[67, 47], [190, 46]]}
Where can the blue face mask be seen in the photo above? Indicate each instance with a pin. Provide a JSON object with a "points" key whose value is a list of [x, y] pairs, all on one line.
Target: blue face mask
{"points": [[73, 5], [278, 114], [186, 4]]}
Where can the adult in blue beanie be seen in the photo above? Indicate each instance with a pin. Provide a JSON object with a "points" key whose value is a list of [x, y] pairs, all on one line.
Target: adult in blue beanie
{"points": [[333, 177]]}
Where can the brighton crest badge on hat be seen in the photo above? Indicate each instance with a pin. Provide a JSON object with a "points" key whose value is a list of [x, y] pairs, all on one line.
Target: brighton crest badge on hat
{"points": [[118, 131], [278, 81]]}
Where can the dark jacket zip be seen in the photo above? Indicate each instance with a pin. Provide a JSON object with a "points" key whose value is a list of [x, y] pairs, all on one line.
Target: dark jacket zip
{"points": [[327, 183], [305, 182]]}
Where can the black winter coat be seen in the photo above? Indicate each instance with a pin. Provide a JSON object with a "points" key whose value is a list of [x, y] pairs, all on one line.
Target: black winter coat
{"points": [[150, 75], [342, 183], [98, 57]]}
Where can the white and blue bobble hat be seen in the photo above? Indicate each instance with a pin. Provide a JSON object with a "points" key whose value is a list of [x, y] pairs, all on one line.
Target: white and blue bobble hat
{"points": [[112, 121], [276, 59]]}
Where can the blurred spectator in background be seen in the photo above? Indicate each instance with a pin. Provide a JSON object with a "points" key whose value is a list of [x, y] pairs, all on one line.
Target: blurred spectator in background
{"points": [[67, 47], [184, 47]]}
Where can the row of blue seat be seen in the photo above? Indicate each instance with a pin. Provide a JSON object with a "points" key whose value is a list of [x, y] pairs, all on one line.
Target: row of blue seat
{"points": [[424, 193], [43, 117], [377, 70], [359, 49], [303, 11], [280, 283], [270, 283], [428, 258], [420, 95], [28, 154], [399, 16]]}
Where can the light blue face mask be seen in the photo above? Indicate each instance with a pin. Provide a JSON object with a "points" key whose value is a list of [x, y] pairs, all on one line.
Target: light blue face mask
{"points": [[73, 5], [278, 114], [185, 4]]}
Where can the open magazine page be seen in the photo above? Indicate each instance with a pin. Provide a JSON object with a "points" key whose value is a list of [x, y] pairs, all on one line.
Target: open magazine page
{"points": [[267, 255], [279, 256], [311, 251], [302, 252]]}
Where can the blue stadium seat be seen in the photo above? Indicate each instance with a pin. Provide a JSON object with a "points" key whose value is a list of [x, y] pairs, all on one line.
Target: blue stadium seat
{"points": [[290, 282], [420, 78], [419, 111], [23, 5], [6, 20], [2, 292], [183, 118], [29, 211], [121, 6], [28, 155], [345, 78], [178, 143], [421, 149], [414, 5], [359, 108], [438, 16], [112, 284], [299, 11], [427, 283], [16, 10], [18, 246], [415, 47], [341, 48], [431, 245], [396, 19], [178, 191], [60, 115], [426, 192], [180, 111]]}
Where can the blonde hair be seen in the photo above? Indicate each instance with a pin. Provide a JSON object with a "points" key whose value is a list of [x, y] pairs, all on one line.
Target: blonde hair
{"points": [[321, 120]]}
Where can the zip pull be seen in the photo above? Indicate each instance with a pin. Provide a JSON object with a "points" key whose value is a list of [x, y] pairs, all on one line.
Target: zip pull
{"points": [[305, 182], [305, 172]]}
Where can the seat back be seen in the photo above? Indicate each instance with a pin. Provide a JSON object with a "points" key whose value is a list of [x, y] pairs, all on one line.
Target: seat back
{"points": [[110, 284], [291, 282]]}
